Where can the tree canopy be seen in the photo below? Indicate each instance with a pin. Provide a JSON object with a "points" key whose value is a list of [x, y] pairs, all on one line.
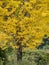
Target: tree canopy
{"points": [[26, 21]]}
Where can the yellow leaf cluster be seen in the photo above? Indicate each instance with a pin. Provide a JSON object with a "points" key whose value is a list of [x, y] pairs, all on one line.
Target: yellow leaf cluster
{"points": [[28, 19]]}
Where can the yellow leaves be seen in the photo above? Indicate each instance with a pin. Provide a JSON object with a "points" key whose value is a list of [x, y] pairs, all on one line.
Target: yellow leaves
{"points": [[11, 44], [3, 43], [0, 3], [2, 36], [27, 5], [44, 14], [16, 3], [29, 20], [11, 30], [15, 47], [3, 46], [1, 11], [33, 1]]}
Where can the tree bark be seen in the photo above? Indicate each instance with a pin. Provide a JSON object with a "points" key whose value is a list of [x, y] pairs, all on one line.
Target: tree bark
{"points": [[19, 54]]}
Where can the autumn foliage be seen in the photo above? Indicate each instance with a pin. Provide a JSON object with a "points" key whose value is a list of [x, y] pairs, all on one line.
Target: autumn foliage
{"points": [[25, 21]]}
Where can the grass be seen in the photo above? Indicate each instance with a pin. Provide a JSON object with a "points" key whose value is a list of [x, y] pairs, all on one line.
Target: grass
{"points": [[34, 57]]}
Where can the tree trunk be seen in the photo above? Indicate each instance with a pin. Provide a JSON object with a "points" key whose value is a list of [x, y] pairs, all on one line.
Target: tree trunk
{"points": [[19, 54]]}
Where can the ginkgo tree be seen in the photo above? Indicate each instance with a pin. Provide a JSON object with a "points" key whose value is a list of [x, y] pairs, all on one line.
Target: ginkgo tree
{"points": [[23, 23]]}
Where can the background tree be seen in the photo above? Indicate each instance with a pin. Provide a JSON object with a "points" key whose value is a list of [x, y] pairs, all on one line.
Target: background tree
{"points": [[45, 42]]}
